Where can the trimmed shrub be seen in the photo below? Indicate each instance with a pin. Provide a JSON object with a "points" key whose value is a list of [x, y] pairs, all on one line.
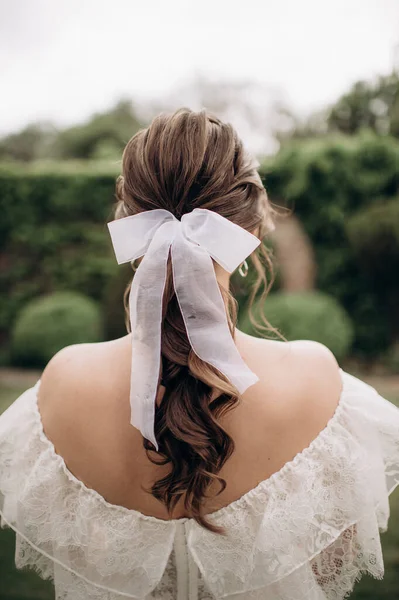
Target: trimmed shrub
{"points": [[307, 316], [49, 323]]}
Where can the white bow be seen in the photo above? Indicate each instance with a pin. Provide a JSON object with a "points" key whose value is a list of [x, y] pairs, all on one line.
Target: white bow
{"points": [[200, 235]]}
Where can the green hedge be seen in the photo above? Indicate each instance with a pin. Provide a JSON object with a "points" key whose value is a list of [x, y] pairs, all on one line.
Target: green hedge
{"points": [[326, 182]]}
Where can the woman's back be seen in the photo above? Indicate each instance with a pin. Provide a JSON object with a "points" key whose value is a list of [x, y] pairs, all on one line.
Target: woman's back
{"points": [[84, 404]]}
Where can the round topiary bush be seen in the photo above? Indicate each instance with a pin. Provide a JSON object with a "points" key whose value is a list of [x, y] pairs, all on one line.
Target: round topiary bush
{"points": [[310, 315], [49, 323]]}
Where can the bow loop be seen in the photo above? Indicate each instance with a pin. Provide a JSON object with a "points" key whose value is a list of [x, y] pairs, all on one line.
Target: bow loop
{"points": [[132, 235], [225, 241]]}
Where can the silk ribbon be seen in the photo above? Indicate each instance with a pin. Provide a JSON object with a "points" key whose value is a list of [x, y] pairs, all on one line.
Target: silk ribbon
{"points": [[199, 237]]}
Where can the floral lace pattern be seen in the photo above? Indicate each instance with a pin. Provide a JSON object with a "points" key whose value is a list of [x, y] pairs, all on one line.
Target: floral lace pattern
{"points": [[307, 532]]}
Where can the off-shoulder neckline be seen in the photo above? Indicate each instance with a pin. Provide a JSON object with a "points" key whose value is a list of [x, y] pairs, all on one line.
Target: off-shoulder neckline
{"points": [[219, 513]]}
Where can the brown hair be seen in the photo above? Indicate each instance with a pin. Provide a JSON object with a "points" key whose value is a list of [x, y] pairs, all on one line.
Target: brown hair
{"points": [[180, 162]]}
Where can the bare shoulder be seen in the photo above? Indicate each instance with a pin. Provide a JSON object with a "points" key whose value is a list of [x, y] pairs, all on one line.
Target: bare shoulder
{"points": [[315, 353], [314, 391], [303, 376], [319, 366], [78, 374]]}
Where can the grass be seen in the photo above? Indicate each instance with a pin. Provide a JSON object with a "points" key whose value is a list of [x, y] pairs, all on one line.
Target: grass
{"points": [[26, 585]]}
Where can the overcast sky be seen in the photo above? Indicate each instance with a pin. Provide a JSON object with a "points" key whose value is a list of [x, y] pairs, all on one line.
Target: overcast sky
{"points": [[63, 59]]}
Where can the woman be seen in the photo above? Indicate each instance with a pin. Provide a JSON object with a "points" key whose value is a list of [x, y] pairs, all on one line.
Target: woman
{"points": [[254, 469]]}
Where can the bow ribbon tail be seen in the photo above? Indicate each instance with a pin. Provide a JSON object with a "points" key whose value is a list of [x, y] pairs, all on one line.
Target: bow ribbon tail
{"points": [[145, 307], [204, 312]]}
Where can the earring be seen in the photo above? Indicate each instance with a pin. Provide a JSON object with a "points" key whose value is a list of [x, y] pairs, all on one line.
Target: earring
{"points": [[243, 270]]}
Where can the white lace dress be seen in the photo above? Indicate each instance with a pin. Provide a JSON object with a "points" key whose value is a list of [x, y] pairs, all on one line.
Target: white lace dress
{"points": [[306, 533]]}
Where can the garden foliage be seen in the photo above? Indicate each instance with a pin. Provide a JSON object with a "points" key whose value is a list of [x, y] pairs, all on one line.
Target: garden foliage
{"points": [[53, 234]]}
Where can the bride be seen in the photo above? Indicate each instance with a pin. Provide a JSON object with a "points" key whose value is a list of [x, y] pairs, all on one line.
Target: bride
{"points": [[188, 460]]}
